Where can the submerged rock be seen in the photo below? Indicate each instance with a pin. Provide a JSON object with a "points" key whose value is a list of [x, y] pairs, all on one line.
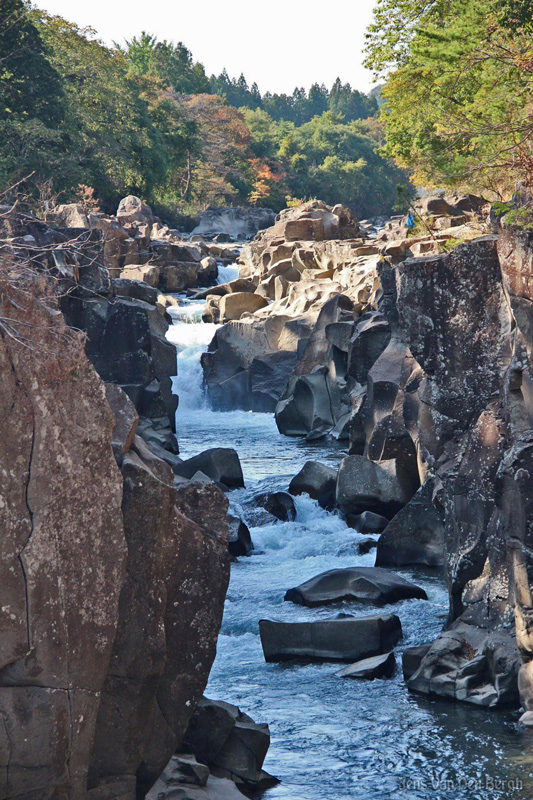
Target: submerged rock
{"points": [[367, 522], [279, 504], [346, 639], [363, 584], [376, 667]]}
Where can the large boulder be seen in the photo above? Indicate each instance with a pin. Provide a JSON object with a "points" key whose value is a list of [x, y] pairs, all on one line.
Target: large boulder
{"points": [[179, 276], [470, 664], [348, 639], [362, 584], [132, 209], [233, 306], [366, 485], [315, 479], [221, 464], [414, 536]]}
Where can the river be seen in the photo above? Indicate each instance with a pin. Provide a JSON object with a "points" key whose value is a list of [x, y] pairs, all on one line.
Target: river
{"points": [[332, 739]]}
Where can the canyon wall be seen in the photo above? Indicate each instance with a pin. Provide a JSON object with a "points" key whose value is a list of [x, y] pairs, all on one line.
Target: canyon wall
{"points": [[113, 580]]}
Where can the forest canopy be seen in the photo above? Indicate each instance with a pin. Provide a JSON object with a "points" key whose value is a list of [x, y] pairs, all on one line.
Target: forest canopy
{"points": [[458, 96], [86, 120]]}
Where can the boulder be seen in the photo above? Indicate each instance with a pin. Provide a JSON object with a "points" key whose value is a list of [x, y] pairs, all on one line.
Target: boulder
{"points": [[279, 504], [362, 584], [412, 658], [367, 522], [268, 377], [221, 464], [147, 273], [132, 209], [348, 639], [240, 542], [470, 664], [229, 742], [382, 666], [179, 276], [70, 215], [315, 479], [208, 274], [137, 290], [183, 768], [233, 306], [414, 536], [364, 485]]}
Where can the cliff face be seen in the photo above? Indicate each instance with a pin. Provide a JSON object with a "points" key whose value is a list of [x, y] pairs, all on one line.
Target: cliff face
{"points": [[466, 319], [112, 582]]}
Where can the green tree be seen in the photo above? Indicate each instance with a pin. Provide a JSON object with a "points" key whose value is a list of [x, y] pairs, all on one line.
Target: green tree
{"points": [[172, 63], [109, 138], [31, 96], [459, 89]]}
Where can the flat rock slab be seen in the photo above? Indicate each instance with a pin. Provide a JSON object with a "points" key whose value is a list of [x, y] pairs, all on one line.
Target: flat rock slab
{"points": [[215, 789], [376, 667], [349, 639], [363, 584]]}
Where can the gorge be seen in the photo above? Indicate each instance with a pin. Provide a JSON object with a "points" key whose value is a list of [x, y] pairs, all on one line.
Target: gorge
{"points": [[387, 385]]}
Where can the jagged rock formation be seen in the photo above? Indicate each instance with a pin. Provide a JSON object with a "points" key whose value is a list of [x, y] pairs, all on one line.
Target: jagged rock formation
{"points": [[301, 265], [113, 580], [137, 246], [465, 319]]}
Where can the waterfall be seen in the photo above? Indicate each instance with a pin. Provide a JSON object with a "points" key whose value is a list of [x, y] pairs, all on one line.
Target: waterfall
{"points": [[191, 337]]}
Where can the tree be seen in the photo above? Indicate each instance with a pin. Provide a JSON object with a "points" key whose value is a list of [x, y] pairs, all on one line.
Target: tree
{"points": [[31, 96], [109, 139], [458, 96], [220, 169], [173, 64]]}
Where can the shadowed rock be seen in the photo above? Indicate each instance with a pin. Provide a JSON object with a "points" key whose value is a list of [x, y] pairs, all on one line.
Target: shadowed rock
{"points": [[414, 536], [314, 479], [363, 584], [347, 639], [221, 464], [364, 485]]}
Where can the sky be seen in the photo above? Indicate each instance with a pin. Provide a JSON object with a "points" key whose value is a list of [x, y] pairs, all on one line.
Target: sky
{"points": [[279, 44]]}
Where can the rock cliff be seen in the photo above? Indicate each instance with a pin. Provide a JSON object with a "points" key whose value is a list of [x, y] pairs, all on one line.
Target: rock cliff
{"points": [[113, 580]]}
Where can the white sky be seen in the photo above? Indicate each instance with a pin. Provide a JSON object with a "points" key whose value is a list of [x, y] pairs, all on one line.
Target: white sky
{"points": [[279, 44]]}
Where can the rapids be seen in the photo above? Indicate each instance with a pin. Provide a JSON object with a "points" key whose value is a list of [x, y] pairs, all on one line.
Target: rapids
{"points": [[332, 739]]}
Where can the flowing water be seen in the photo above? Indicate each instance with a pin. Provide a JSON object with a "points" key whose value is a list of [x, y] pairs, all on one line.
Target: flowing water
{"points": [[332, 739]]}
